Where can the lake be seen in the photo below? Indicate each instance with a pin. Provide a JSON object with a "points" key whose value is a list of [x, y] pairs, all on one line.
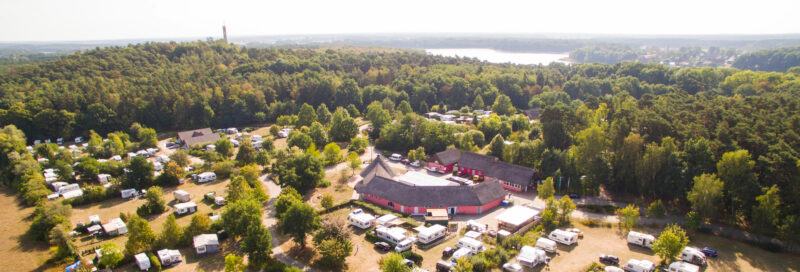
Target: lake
{"points": [[495, 56]]}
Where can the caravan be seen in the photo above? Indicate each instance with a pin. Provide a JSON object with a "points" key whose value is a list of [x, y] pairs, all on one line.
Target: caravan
{"points": [[432, 233], [185, 208], [563, 237], [182, 196], [531, 256], [641, 239], [546, 245], [394, 235], [361, 220], [682, 267], [206, 177], [693, 255], [634, 265], [473, 245], [403, 246]]}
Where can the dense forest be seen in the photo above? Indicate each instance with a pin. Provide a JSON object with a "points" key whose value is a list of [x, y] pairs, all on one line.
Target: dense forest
{"points": [[632, 129], [778, 60]]}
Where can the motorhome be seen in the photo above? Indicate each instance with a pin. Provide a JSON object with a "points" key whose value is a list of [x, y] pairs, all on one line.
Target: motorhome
{"points": [[546, 245], [67, 188], [169, 257], [432, 233], [403, 246], [634, 265], [361, 220], [641, 239], [693, 255], [531, 256], [563, 237], [682, 267], [185, 208], [474, 245], [206, 177]]}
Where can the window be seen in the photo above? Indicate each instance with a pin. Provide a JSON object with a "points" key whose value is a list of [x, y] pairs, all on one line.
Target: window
{"points": [[390, 204]]}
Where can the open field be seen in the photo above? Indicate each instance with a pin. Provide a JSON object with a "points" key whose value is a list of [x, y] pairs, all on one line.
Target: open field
{"points": [[16, 250]]}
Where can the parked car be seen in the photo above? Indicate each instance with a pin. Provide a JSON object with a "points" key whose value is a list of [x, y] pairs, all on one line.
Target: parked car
{"points": [[574, 196], [432, 169], [383, 246], [408, 262], [396, 157], [609, 259], [415, 164], [448, 251], [405, 161], [709, 252], [509, 267], [574, 230]]}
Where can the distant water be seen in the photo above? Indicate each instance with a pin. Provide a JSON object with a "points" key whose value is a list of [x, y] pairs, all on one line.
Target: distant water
{"points": [[495, 56]]}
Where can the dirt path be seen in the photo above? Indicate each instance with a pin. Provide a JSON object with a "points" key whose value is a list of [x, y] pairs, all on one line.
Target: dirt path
{"points": [[18, 253], [271, 223]]}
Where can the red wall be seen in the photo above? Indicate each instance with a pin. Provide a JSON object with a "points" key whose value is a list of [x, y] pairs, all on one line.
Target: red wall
{"points": [[447, 168], [510, 188], [471, 171], [422, 210]]}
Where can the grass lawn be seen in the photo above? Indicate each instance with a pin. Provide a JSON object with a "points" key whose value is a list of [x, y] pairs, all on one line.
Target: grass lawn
{"points": [[18, 252]]}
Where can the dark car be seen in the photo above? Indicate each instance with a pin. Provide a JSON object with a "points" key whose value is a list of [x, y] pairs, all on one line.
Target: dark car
{"points": [[709, 252], [383, 246], [574, 196], [609, 259], [448, 251]]}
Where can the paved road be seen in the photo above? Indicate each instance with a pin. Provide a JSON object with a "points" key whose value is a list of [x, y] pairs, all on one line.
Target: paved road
{"points": [[271, 223]]}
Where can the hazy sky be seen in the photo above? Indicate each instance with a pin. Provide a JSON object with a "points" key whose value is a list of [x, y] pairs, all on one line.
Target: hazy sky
{"points": [[75, 20]]}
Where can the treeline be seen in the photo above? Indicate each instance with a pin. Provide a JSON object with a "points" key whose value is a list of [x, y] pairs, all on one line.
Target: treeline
{"points": [[607, 53], [778, 60]]}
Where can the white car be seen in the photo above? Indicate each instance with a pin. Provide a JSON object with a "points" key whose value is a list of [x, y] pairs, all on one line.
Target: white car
{"points": [[396, 157], [509, 267], [415, 164], [574, 230]]}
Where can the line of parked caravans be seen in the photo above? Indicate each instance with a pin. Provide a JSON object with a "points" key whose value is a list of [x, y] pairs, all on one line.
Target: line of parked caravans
{"points": [[691, 258], [395, 235]]}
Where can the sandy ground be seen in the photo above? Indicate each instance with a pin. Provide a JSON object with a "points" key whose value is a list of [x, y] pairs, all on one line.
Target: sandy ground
{"points": [[17, 251]]}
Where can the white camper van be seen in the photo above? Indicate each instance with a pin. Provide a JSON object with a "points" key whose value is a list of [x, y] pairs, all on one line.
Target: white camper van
{"points": [[682, 267], [432, 233], [403, 246], [473, 245], [546, 245], [634, 265], [206, 177], [563, 237], [182, 196], [361, 220], [641, 239], [693, 255], [531, 256]]}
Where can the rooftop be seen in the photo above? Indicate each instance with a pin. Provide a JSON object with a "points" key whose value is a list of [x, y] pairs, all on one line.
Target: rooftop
{"points": [[517, 215], [419, 179]]}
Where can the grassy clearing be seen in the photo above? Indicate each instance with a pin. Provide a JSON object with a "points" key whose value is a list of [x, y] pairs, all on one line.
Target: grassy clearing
{"points": [[18, 252]]}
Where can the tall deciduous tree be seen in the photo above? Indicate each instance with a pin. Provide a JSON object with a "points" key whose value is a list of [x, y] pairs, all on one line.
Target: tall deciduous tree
{"points": [[224, 147], [502, 105], [546, 189], [343, 127], [323, 114], [394, 263], [735, 169], [628, 217], [670, 243], [240, 215], [140, 236], [257, 245], [497, 146], [705, 195], [171, 233], [306, 115], [765, 215], [141, 173], [298, 221]]}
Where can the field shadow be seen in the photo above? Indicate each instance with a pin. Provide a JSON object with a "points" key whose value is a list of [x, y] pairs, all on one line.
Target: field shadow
{"points": [[638, 249]]}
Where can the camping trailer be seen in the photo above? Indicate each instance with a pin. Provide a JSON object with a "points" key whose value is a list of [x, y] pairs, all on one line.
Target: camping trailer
{"points": [[546, 245], [220, 201], [634, 265], [115, 227], [142, 261], [69, 187], [182, 196], [473, 245], [206, 243], [432, 233], [693, 255], [206, 177], [461, 253], [393, 235], [361, 220], [169, 257], [641, 239], [103, 178], [385, 219], [531, 256], [563, 237], [128, 193], [403, 246], [185, 208], [682, 267]]}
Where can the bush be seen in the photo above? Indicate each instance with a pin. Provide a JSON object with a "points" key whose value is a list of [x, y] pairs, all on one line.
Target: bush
{"points": [[606, 209], [656, 210], [590, 222], [594, 267], [224, 169], [155, 264], [413, 256]]}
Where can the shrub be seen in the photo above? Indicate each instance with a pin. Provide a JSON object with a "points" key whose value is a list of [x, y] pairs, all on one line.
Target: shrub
{"points": [[155, 264], [594, 267], [413, 256], [656, 210], [590, 222]]}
